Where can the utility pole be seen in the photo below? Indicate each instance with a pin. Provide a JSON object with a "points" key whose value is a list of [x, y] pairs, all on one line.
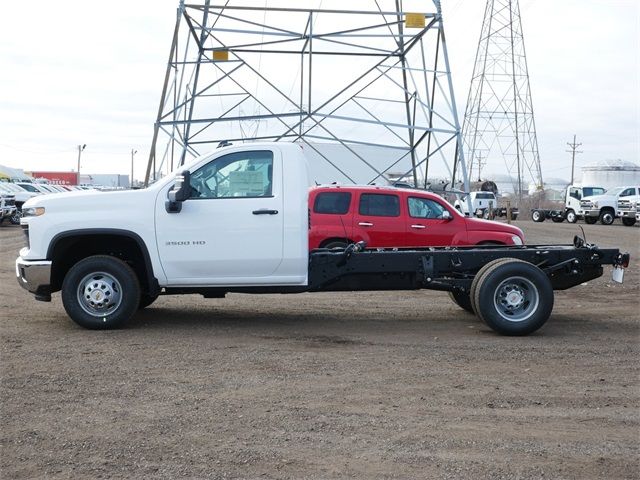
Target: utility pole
{"points": [[133, 152], [573, 152], [480, 165], [80, 150]]}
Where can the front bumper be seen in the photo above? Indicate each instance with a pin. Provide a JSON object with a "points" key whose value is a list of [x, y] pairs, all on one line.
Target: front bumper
{"points": [[589, 213], [35, 277]]}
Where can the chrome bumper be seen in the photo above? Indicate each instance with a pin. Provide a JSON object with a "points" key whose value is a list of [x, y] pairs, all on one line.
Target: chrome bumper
{"points": [[34, 276]]}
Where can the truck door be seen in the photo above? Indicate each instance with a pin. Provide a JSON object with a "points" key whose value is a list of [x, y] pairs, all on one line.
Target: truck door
{"points": [[231, 229], [425, 226]]}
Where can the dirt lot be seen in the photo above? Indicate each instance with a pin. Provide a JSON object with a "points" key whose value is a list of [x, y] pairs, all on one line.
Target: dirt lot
{"points": [[364, 385]]}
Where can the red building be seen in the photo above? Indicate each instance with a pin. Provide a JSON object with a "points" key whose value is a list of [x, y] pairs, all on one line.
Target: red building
{"points": [[57, 178]]}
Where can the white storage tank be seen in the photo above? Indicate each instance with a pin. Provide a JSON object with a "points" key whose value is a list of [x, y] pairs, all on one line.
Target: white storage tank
{"points": [[611, 173]]}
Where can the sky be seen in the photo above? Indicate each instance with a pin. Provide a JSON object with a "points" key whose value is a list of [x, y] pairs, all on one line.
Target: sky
{"points": [[86, 72]]}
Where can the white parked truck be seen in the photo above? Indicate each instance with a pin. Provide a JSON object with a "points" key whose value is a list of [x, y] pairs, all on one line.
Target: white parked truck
{"points": [[627, 210], [571, 211], [604, 207], [237, 221], [485, 205]]}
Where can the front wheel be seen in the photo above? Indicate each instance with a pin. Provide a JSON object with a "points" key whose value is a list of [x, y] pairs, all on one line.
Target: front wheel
{"points": [[15, 218], [590, 220], [628, 222], [513, 297], [571, 216], [607, 217], [100, 292]]}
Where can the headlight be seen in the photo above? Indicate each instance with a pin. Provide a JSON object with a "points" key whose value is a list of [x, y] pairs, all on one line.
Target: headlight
{"points": [[516, 240], [32, 211]]}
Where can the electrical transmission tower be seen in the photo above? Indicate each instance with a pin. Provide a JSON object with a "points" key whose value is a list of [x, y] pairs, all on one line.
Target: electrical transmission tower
{"points": [[498, 124], [340, 82]]}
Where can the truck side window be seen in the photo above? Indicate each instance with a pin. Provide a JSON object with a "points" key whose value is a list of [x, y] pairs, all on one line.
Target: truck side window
{"points": [[379, 205], [241, 174], [334, 203], [628, 192], [575, 193], [424, 208]]}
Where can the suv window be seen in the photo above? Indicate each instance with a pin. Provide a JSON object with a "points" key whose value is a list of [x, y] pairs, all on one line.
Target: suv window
{"points": [[241, 174], [424, 208], [628, 192], [379, 205], [334, 203]]}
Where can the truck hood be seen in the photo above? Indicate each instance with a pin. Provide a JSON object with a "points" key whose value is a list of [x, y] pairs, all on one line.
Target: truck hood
{"points": [[598, 198], [477, 224], [86, 200]]}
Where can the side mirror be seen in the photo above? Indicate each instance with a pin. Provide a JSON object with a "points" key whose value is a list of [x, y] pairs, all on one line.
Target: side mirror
{"points": [[446, 215], [180, 192]]}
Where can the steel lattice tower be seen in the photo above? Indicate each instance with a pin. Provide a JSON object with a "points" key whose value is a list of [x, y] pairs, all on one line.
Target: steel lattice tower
{"points": [[376, 77], [499, 129]]}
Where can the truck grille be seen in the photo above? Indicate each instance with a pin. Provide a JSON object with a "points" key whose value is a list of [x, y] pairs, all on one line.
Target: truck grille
{"points": [[9, 202], [625, 205], [586, 204]]}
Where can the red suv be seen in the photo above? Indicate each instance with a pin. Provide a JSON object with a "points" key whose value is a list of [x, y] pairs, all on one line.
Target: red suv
{"points": [[396, 217]]}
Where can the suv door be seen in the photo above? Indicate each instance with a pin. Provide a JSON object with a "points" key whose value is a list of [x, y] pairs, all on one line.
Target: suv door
{"points": [[425, 226], [378, 220], [231, 229]]}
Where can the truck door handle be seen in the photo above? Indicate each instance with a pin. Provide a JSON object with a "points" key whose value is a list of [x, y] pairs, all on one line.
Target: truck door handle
{"points": [[265, 211], [418, 226], [365, 224]]}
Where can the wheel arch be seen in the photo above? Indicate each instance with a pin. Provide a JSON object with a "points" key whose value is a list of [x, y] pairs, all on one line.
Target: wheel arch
{"points": [[326, 241], [67, 248]]}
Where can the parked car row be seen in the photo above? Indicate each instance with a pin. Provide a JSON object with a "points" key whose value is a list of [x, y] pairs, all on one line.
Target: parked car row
{"points": [[23, 191], [593, 204]]}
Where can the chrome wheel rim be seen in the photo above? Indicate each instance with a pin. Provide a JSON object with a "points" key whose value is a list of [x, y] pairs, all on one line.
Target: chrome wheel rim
{"points": [[99, 294], [516, 299], [571, 217], [607, 218]]}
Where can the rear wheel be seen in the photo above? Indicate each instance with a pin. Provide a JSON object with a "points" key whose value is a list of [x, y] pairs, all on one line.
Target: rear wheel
{"points": [[628, 222], [571, 216], [590, 220], [462, 299], [100, 292], [537, 216], [514, 216], [513, 297], [607, 217]]}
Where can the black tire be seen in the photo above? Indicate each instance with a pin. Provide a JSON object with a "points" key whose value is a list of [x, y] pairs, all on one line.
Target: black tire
{"points": [[146, 300], [571, 216], [590, 220], [628, 222], [514, 297], [101, 292], [607, 217], [514, 216], [15, 218], [341, 244], [557, 219], [537, 216], [463, 300]]}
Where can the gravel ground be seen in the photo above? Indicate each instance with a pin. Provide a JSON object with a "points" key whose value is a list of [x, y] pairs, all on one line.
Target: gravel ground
{"points": [[362, 385]]}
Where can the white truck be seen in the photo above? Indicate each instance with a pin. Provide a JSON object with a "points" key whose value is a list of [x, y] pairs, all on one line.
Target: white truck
{"points": [[7, 206], [485, 205], [237, 220], [571, 211], [628, 210], [605, 206]]}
